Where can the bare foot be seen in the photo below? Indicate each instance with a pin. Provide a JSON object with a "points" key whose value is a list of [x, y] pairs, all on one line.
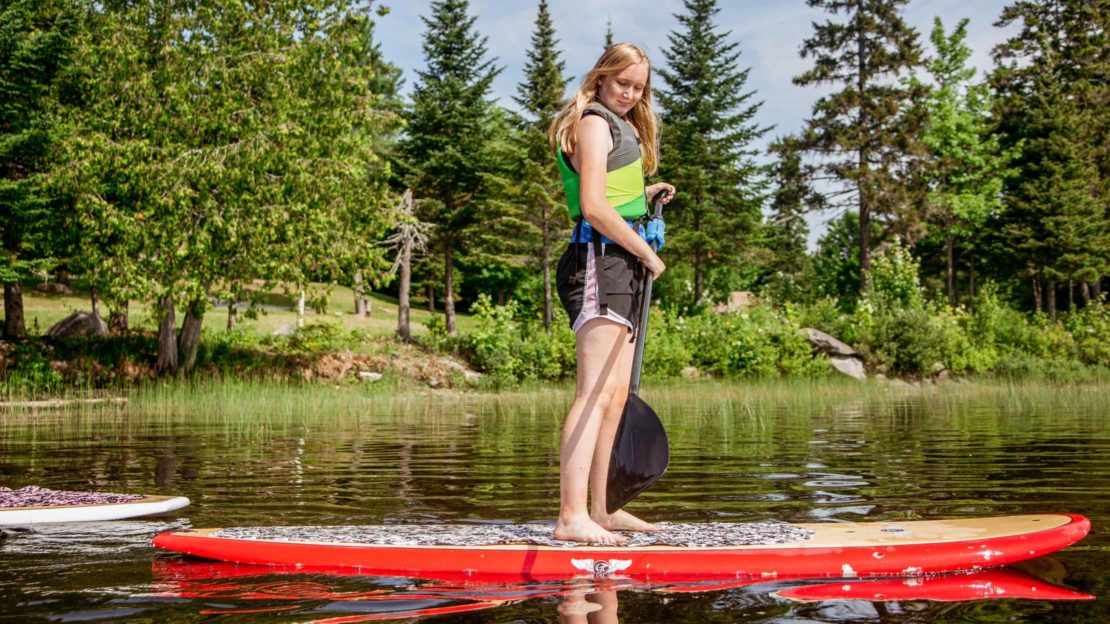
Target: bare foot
{"points": [[583, 529], [624, 521]]}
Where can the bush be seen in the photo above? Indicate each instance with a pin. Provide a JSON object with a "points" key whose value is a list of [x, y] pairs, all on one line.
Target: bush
{"points": [[1090, 329], [509, 351], [30, 372]]}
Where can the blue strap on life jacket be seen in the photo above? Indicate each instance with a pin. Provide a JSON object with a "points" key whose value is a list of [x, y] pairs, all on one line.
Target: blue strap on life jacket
{"points": [[584, 233]]}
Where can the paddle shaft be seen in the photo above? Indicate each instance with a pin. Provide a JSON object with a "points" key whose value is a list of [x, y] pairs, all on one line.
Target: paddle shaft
{"points": [[645, 305]]}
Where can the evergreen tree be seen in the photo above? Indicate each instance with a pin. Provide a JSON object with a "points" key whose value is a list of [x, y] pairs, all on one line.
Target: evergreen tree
{"points": [[36, 43], [1052, 97], [707, 148], [860, 134], [964, 162], [540, 97], [786, 225], [447, 143], [608, 33]]}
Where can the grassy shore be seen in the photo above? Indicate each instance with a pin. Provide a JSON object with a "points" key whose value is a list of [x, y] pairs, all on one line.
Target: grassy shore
{"points": [[251, 400], [42, 310]]}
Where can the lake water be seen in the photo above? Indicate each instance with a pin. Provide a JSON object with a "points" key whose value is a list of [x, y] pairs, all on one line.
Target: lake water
{"points": [[476, 460]]}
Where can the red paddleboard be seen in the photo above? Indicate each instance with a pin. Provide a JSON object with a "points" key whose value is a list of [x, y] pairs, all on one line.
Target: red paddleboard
{"points": [[844, 550]]}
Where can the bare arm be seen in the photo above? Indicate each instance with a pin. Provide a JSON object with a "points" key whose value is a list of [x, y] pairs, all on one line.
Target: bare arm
{"points": [[589, 158]]}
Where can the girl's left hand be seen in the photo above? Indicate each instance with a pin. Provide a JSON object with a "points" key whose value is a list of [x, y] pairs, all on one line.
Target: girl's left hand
{"points": [[652, 190]]}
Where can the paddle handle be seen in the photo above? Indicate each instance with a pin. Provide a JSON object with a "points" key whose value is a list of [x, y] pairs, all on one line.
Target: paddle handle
{"points": [[645, 304]]}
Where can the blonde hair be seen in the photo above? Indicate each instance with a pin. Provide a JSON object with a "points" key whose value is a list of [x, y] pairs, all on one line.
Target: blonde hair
{"points": [[563, 133]]}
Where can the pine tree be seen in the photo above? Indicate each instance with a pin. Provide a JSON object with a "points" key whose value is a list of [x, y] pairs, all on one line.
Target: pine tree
{"points": [[37, 43], [447, 141], [860, 134], [540, 97], [965, 164], [786, 225], [707, 151], [608, 33], [1052, 95]]}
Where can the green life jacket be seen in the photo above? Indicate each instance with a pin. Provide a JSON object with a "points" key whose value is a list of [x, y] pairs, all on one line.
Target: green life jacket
{"points": [[624, 171]]}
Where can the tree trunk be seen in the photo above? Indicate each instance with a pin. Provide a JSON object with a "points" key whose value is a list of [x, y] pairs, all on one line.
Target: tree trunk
{"points": [[1037, 298], [362, 302], [300, 310], [94, 300], [950, 250], [1050, 292], [699, 254], [862, 161], [232, 315], [117, 319], [167, 338], [449, 285], [1085, 290], [190, 335], [971, 281], [430, 292], [14, 325], [403, 329], [545, 263], [62, 276], [1071, 295], [1096, 290]]}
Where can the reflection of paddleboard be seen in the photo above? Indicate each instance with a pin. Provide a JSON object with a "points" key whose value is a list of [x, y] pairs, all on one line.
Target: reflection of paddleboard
{"points": [[843, 550], [988, 584], [90, 513]]}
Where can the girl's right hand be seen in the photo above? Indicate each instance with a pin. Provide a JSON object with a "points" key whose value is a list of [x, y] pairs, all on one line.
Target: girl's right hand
{"points": [[655, 265]]}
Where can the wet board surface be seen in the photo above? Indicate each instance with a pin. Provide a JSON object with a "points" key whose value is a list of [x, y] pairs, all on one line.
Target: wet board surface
{"points": [[845, 550], [142, 506]]}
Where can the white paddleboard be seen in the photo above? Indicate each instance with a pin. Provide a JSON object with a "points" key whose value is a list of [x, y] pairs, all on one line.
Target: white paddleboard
{"points": [[21, 516]]}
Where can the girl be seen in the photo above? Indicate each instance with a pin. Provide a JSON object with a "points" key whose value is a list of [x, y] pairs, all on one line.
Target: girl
{"points": [[605, 140]]}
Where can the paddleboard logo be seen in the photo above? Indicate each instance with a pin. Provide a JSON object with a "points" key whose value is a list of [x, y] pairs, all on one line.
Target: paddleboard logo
{"points": [[601, 567]]}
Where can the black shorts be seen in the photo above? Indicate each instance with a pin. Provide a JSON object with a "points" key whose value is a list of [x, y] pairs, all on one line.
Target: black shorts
{"points": [[580, 274]]}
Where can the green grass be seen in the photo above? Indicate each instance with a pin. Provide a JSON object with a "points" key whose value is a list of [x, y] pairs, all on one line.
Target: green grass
{"points": [[43, 310]]}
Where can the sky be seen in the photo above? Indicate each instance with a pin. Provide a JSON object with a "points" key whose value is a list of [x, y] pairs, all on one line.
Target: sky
{"points": [[769, 33]]}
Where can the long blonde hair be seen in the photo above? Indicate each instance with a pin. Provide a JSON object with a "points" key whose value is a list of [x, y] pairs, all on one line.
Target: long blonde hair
{"points": [[563, 133]]}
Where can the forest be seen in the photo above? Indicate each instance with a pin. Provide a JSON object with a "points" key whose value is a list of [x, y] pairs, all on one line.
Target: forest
{"points": [[189, 156]]}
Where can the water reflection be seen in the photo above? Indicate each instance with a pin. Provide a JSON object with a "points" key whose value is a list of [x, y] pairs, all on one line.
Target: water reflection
{"points": [[225, 588], [460, 461]]}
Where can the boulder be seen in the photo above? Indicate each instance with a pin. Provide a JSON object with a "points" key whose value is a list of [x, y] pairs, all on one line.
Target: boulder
{"points": [[738, 300], [368, 376], [54, 288], [285, 330], [820, 341], [79, 324], [691, 373], [850, 366]]}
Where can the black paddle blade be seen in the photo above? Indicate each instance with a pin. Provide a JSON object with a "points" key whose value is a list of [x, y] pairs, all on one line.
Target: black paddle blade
{"points": [[640, 456]]}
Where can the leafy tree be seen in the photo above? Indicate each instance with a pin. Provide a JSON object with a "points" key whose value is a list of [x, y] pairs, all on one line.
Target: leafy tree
{"points": [[835, 270], [965, 164], [36, 43], [273, 178], [448, 139], [540, 97], [860, 134], [709, 130]]}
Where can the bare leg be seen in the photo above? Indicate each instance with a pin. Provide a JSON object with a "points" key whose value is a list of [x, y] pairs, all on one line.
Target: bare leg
{"points": [[599, 345], [606, 613], [599, 470]]}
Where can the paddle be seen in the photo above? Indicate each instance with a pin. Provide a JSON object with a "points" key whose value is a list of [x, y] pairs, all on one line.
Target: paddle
{"points": [[640, 449]]}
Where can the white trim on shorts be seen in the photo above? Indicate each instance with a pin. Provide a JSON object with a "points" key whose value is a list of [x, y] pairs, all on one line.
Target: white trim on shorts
{"points": [[591, 303]]}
